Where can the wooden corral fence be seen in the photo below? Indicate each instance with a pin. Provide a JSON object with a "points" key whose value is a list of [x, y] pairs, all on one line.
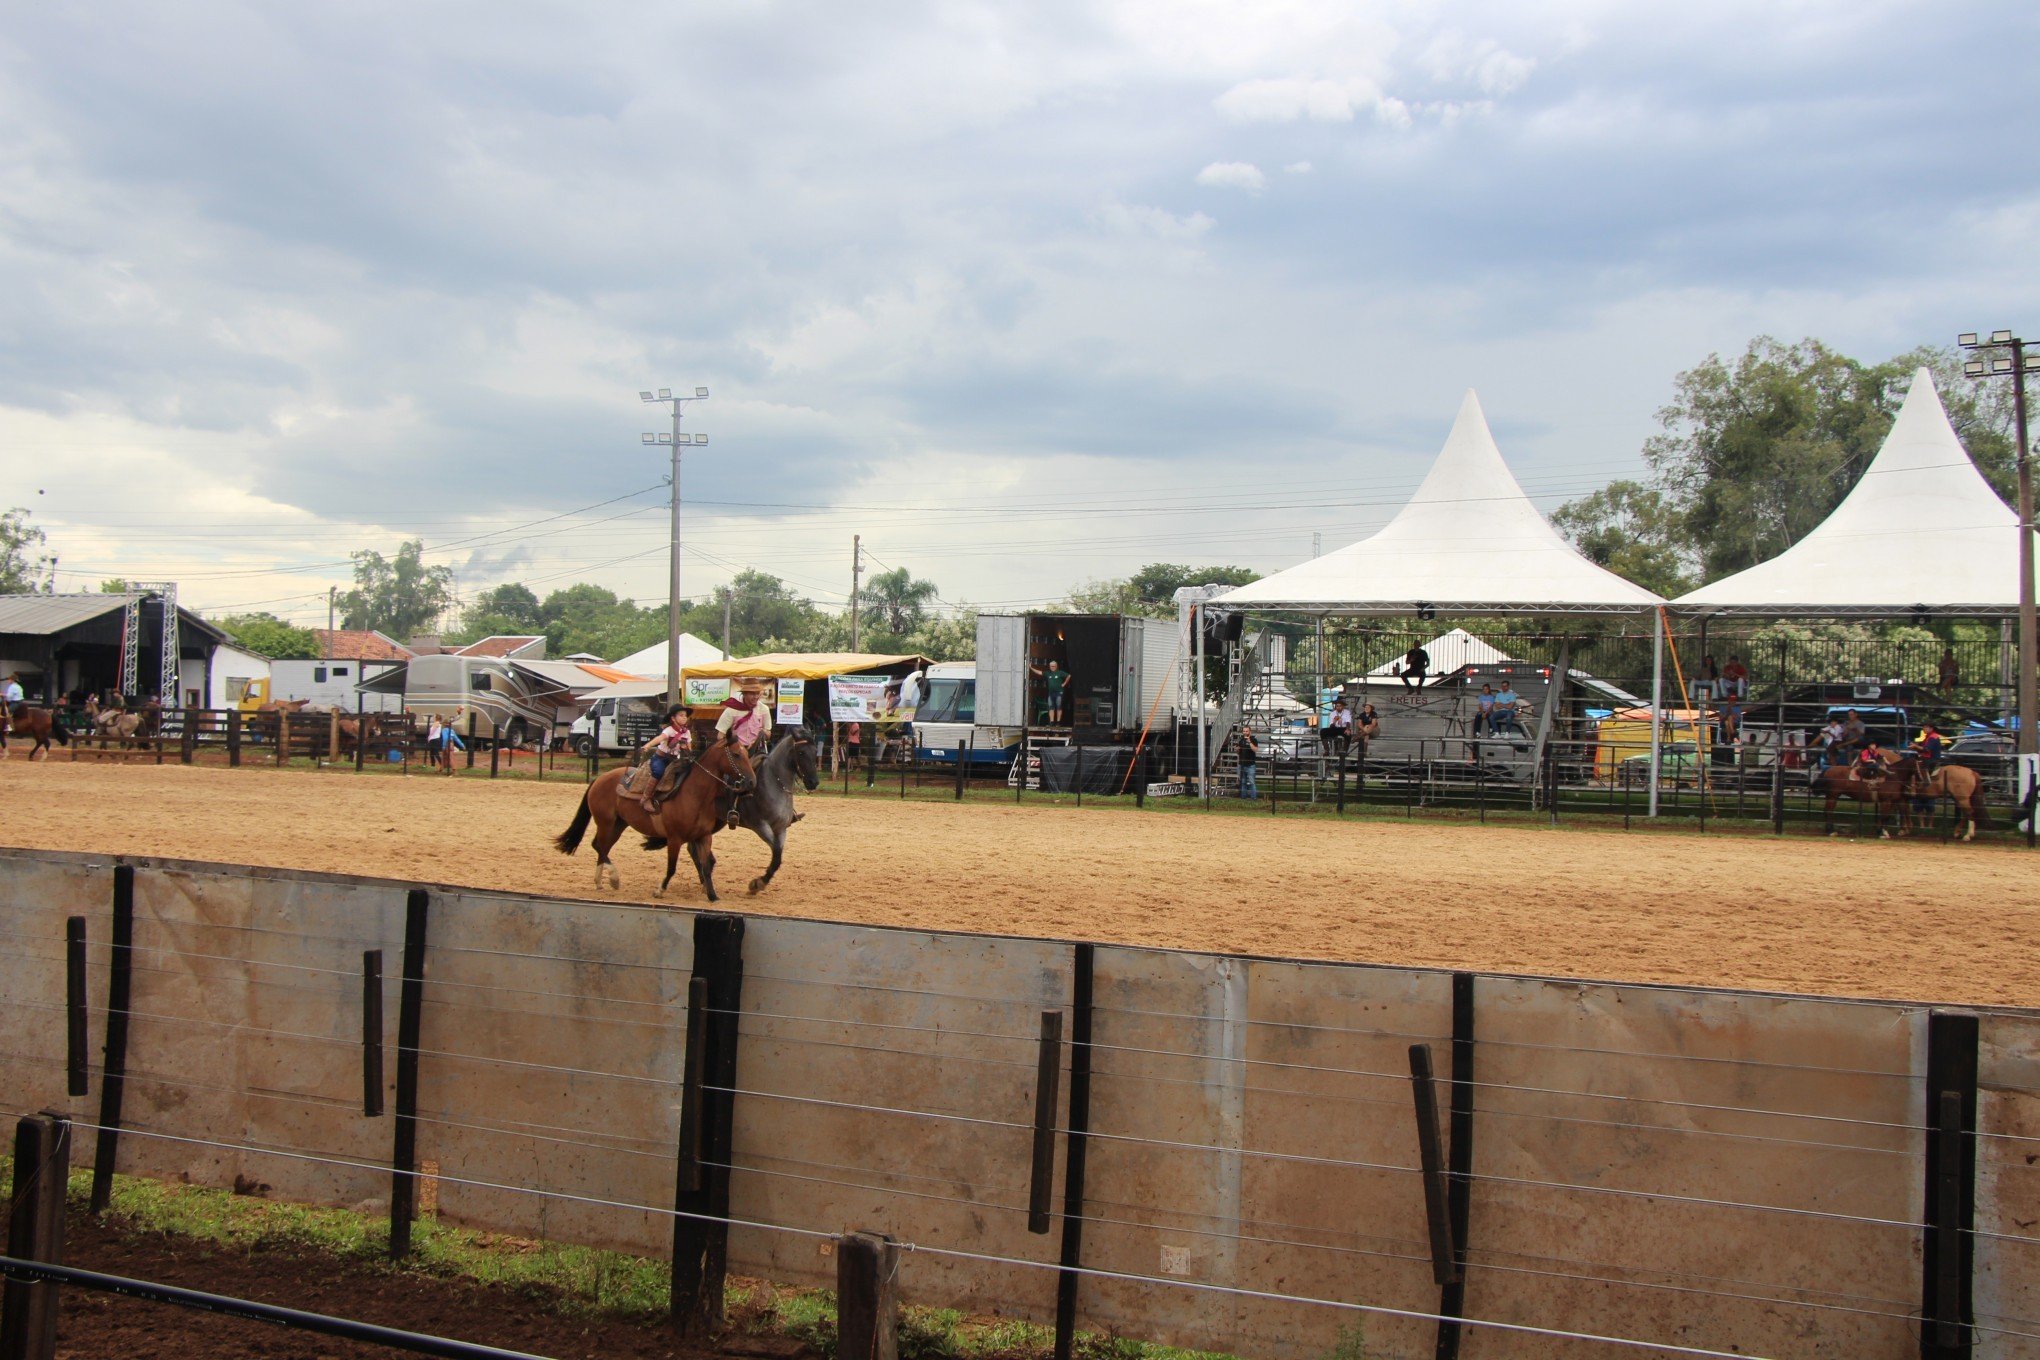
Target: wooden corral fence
{"points": [[1267, 1157]]}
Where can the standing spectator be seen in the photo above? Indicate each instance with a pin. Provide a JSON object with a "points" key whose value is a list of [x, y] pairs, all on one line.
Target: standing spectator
{"points": [[853, 743], [1250, 755], [1055, 679], [1735, 677], [1338, 729], [432, 728], [1416, 665], [449, 742], [1951, 671]]}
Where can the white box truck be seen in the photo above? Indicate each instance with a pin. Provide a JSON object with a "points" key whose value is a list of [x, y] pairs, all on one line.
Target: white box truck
{"points": [[1122, 671]]}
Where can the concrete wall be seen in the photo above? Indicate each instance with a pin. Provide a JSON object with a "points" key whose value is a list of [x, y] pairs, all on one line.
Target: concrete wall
{"points": [[1252, 1118]]}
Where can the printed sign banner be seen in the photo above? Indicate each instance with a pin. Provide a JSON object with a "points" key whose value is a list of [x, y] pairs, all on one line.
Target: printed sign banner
{"points": [[706, 691], [792, 696], [856, 698]]}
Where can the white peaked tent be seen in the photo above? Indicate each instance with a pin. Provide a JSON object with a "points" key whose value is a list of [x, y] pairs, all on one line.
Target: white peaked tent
{"points": [[650, 662], [1922, 532], [1449, 652], [1468, 542]]}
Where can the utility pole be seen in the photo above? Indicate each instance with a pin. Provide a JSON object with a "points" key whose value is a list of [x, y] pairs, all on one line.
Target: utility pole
{"points": [[332, 597], [728, 598], [2016, 367], [677, 441], [856, 576]]}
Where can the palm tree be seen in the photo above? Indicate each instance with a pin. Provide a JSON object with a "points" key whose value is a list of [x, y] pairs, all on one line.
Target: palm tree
{"points": [[896, 601]]}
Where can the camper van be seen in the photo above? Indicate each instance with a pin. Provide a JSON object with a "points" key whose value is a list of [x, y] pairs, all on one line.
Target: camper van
{"points": [[456, 688], [945, 723]]}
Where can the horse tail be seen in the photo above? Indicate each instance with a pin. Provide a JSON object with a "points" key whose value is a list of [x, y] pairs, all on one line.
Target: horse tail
{"points": [[1978, 808], [569, 840], [57, 730]]}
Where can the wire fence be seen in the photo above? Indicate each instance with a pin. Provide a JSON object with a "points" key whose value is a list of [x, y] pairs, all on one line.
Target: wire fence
{"points": [[867, 1082]]}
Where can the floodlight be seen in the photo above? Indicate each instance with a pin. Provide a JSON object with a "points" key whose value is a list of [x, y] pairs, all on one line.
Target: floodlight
{"points": [[665, 393], [2001, 363], [665, 439], [701, 439], [648, 396], [649, 438], [1974, 368], [701, 391], [2033, 361], [2001, 337], [1967, 339]]}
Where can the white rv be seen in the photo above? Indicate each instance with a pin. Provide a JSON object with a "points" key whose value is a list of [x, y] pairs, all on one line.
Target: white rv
{"points": [[497, 694]]}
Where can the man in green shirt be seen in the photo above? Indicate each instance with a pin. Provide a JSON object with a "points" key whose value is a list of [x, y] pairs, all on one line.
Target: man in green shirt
{"points": [[1057, 680]]}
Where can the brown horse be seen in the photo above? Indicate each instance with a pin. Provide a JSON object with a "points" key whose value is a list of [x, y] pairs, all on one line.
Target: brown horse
{"points": [[1886, 794], [1964, 787], [40, 725], [691, 817]]}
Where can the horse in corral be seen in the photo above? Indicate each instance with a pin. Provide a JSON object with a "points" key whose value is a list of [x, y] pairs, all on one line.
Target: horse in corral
{"points": [[1886, 794], [1964, 787], [40, 725], [768, 810], [691, 817]]}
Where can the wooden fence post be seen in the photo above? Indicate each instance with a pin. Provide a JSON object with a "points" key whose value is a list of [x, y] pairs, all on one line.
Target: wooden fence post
{"points": [[495, 748], [233, 738], [187, 739], [867, 1300], [113, 1069], [283, 737], [1947, 1263], [1077, 1150], [700, 1236], [410, 1005], [471, 740], [333, 736], [35, 1232]]}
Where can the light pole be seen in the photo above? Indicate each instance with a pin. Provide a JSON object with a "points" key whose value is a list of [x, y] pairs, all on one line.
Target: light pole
{"points": [[2016, 365], [678, 441]]}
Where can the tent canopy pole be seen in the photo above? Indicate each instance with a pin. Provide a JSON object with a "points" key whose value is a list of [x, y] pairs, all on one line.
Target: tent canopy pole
{"points": [[1657, 703]]}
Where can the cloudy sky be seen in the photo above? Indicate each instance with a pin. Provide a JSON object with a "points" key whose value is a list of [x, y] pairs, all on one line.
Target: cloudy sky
{"points": [[1025, 294]]}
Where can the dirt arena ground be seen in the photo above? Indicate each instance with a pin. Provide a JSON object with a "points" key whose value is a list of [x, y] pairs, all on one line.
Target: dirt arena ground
{"points": [[1920, 921]]}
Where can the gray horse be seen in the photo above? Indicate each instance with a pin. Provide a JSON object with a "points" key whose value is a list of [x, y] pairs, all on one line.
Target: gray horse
{"points": [[769, 810]]}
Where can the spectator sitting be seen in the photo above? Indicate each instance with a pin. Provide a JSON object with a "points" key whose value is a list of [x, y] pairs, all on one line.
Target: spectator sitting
{"points": [[1416, 664], [1484, 711], [1368, 724], [1735, 679], [1504, 715], [1951, 671], [1710, 678]]}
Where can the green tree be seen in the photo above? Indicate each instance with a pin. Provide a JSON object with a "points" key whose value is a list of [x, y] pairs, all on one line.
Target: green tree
{"points": [[1632, 531], [396, 596], [895, 602], [24, 566], [1754, 455], [1155, 585], [271, 637], [764, 612], [510, 609], [590, 618]]}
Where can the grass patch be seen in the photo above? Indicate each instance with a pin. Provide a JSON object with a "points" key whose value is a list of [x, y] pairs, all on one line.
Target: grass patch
{"points": [[574, 1280]]}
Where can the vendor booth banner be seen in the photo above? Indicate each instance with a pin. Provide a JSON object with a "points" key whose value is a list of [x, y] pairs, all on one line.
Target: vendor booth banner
{"points": [[707, 691], [857, 698], [792, 698]]}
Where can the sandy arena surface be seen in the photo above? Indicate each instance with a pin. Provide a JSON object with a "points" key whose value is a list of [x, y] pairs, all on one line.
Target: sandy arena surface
{"points": [[1914, 920]]}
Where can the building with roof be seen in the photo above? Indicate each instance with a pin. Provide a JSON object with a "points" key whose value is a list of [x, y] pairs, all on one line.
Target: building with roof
{"points": [[523, 646], [72, 643]]}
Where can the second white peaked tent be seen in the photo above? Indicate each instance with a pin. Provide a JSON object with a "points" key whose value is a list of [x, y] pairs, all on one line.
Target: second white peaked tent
{"points": [[1920, 532], [1468, 542]]}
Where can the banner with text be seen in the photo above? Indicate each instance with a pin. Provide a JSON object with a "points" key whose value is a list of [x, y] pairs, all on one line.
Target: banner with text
{"points": [[792, 700], [857, 698], [706, 692]]}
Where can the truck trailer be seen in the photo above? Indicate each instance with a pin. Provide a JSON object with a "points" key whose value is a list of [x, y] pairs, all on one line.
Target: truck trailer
{"points": [[1122, 669]]}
